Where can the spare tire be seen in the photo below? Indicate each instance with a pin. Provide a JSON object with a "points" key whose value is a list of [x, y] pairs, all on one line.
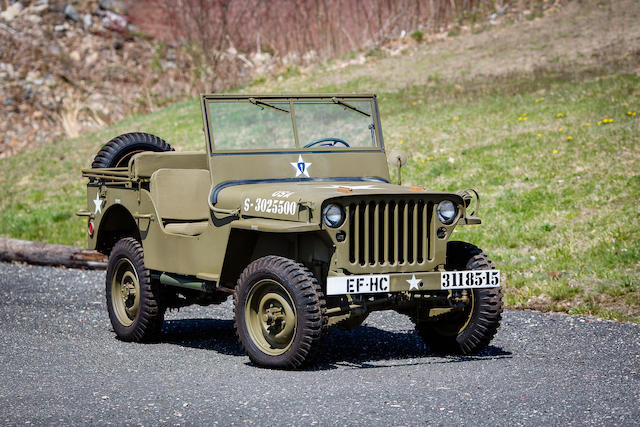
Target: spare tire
{"points": [[117, 152]]}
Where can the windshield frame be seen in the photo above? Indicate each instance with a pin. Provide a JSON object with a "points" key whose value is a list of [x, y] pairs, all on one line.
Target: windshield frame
{"points": [[208, 99]]}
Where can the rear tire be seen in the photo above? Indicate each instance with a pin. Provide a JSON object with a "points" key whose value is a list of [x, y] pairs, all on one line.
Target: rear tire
{"points": [[471, 330], [117, 152], [279, 313], [133, 299]]}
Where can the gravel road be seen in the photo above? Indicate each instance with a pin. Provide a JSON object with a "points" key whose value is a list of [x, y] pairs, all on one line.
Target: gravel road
{"points": [[61, 364]]}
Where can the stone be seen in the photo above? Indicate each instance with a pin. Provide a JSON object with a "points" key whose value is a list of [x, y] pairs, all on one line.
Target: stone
{"points": [[38, 7], [34, 19], [71, 13], [114, 21], [116, 6], [11, 12], [86, 20], [91, 58]]}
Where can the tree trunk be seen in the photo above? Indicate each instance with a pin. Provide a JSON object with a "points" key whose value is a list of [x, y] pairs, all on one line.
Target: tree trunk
{"points": [[12, 250]]}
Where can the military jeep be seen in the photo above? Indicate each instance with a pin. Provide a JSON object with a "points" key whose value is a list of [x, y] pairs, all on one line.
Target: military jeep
{"points": [[291, 211]]}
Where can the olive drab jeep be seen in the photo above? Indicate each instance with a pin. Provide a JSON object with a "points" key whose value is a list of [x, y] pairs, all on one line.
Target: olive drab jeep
{"points": [[291, 211]]}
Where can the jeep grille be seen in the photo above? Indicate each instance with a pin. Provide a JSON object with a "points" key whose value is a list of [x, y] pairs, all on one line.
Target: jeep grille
{"points": [[390, 233]]}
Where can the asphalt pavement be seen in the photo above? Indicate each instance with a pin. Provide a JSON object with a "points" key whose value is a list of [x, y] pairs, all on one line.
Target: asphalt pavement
{"points": [[60, 363]]}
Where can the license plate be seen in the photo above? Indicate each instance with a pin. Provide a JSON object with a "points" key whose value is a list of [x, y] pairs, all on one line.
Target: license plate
{"points": [[358, 284], [470, 279]]}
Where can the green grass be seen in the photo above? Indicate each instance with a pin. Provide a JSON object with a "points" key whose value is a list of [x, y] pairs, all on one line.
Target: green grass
{"points": [[560, 214]]}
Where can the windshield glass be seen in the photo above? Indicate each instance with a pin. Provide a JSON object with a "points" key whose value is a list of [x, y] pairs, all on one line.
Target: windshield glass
{"points": [[328, 124], [298, 124], [244, 126]]}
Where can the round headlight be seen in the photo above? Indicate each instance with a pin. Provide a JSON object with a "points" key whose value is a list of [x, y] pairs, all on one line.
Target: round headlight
{"points": [[333, 216], [447, 211]]}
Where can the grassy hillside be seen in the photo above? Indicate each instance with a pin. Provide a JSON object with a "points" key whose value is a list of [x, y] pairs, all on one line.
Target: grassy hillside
{"points": [[542, 118]]}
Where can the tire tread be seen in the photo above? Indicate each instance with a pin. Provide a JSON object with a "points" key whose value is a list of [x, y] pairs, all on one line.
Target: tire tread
{"points": [[307, 290]]}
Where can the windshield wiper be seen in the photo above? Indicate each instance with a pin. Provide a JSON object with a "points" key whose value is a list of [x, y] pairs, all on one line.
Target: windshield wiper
{"points": [[260, 104], [350, 107]]}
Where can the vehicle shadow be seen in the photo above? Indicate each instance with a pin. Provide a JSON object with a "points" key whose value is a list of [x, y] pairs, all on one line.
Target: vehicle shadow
{"points": [[206, 334], [371, 347], [363, 347]]}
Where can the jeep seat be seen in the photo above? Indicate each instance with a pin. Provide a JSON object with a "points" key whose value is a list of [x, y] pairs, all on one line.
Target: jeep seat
{"points": [[180, 196]]}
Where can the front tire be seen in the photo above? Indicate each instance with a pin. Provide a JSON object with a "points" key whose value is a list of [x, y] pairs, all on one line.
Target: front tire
{"points": [[279, 313], [472, 329], [133, 299]]}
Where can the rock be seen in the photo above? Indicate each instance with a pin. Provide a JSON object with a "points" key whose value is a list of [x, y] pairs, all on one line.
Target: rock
{"points": [[116, 6], [60, 28], [38, 7], [11, 12], [34, 19], [115, 22], [86, 20], [32, 76], [91, 58], [71, 13], [75, 55], [54, 49]]}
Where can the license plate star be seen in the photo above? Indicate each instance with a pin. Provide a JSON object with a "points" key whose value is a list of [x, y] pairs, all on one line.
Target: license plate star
{"points": [[98, 202], [413, 283], [301, 167]]}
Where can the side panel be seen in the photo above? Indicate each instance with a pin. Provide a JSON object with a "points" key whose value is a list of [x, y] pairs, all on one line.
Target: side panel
{"points": [[189, 255]]}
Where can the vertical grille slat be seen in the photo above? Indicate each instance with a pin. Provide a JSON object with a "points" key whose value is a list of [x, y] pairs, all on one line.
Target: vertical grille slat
{"points": [[396, 256], [405, 232], [366, 232], [431, 228], [376, 233], [416, 236], [385, 243], [425, 226], [356, 238], [390, 232]]}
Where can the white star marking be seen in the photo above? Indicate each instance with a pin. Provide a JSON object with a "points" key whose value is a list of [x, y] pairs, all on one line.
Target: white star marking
{"points": [[98, 204], [355, 187], [413, 283], [301, 167]]}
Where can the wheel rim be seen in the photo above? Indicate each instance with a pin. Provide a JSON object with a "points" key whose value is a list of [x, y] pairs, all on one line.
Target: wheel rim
{"points": [[125, 292], [457, 322], [270, 316]]}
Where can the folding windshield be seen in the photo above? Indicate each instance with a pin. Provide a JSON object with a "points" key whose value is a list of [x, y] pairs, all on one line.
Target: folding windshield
{"points": [[317, 123]]}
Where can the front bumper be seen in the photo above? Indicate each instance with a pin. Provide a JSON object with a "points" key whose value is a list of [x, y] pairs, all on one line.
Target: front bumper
{"points": [[412, 282]]}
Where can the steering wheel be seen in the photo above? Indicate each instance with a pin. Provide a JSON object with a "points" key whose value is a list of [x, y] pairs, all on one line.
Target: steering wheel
{"points": [[327, 142]]}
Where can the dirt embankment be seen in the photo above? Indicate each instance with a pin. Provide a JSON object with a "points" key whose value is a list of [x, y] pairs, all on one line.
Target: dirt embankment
{"points": [[69, 69]]}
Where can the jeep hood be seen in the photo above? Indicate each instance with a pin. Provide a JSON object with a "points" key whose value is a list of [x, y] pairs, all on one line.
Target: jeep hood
{"points": [[263, 199]]}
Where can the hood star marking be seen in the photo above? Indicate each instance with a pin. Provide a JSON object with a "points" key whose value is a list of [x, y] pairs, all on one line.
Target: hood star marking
{"points": [[301, 167], [98, 203], [413, 283]]}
